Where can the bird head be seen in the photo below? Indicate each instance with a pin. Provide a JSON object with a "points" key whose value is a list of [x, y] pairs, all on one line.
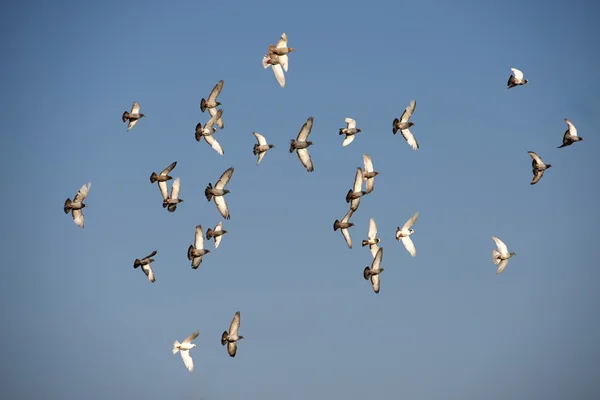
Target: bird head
{"points": [[377, 240], [142, 115], [308, 142], [513, 254], [83, 205], [207, 251], [358, 130], [224, 231], [225, 191], [271, 146], [526, 81], [411, 230], [193, 345], [375, 173], [290, 49], [411, 124], [350, 224], [240, 337], [218, 103], [381, 269]]}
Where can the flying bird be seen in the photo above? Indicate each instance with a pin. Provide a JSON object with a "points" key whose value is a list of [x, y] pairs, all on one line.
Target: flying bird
{"points": [[231, 338], [301, 145], [570, 135], [145, 264], [369, 174], [76, 206], [217, 233], [500, 256], [373, 239], [170, 202], [516, 79], [349, 131], [403, 125], [281, 50], [197, 250], [375, 270], [164, 175], [344, 225], [211, 104], [404, 234], [353, 196], [538, 167], [185, 348], [261, 147], [273, 61], [219, 191], [207, 132], [133, 117]]}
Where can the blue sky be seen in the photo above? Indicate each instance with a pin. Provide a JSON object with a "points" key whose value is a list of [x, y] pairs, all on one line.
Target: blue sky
{"points": [[79, 322]]}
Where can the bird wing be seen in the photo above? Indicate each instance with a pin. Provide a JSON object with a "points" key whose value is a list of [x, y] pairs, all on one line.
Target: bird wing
{"points": [[351, 123], [222, 206], [168, 169], [376, 264], [535, 157], [164, 191], [135, 108], [151, 255], [572, 130], [264, 61], [214, 117], [214, 144], [283, 60], [411, 221], [517, 73], [375, 283], [358, 180], [537, 175], [282, 44], [175, 189], [218, 240], [260, 157], [347, 216], [346, 234], [372, 229], [368, 163], [82, 193], [215, 92], [224, 179], [199, 238], [78, 218], [410, 139], [192, 337], [219, 226], [305, 159], [349, 139], [232, 348], [502, 249], [235, 324], [219, 120], [305, 130], [374, 249], [278, 71], [147, 268], [501, 266], [408, 243], [187, 359], [261, 139], [132, 123], [408, 112]]}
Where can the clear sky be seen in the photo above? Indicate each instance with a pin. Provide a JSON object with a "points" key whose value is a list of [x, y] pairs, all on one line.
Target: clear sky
{"points": [[79, 322]]}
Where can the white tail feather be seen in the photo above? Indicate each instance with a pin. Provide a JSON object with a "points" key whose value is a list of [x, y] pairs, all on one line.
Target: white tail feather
{"points": [[496, 256], [176, 347]]}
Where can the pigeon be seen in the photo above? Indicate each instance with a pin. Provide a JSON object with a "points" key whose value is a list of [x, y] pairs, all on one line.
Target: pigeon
{"points": [[164, 175], [133, 116], [369, 174], [197, 250], [274, 62], [349, 131], [538, 167], [231, 338], [344, 225], [570, 135], [261, 147], [219, 191], [500, 256], [76, 206], [208, 132], [281, 50], [211, 104], [217, 234], [301, 145], [145, 264], [516, 79], [375, 270], [185, 348], [170, 202], [373, 240], [403, 124], [405, 233], [353, 196]]}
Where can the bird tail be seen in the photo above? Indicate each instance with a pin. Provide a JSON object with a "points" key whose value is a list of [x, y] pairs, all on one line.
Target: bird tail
{"points": [[224, 338], [255, 149], [364, 243], [203, 105], [190, 252], [394, 126], [496, 256], [165, 204], [67, 206], [176, 347], [341, 131], [561, 146], [367, 273], [349, 196], [292, 146], [209, 234], [137, 263], [198, 134], [207, 192], [336, 225], [125, 116], [153, 177]]}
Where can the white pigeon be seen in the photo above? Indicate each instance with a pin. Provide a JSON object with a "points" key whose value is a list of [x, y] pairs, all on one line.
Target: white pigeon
{"points": [[500, 256], [405, 232], [516, 79], [76, 206], [185, 348], [570, 135], [373, 239], [274, 62], [375, 270], [261, 147], [282, 50]]}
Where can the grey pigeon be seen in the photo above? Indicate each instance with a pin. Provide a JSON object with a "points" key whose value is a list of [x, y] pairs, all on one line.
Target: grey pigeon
{"points": [[261, 147], [353, 196], [375, 270], [403, 124], [369, 173], [570, 135], [197, 250], [207, 132], [211, 104], [170, 202], [76, 205], [231, 338], [133, 116], [145, 264], [164, 175], [516, 79], [219, 191], [217, 233], [538, 167], [301, 145], [344, 225]]}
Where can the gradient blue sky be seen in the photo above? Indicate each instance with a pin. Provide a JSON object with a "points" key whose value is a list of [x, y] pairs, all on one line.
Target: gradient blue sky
{"points": [[79, 322]]}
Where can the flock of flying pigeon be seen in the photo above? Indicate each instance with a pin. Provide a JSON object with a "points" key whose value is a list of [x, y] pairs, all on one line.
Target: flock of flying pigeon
{"points": [[277, 59]]}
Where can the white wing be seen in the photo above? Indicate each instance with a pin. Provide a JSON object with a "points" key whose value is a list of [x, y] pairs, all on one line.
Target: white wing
{"points": [[407, 242], [214, 144], [219, 227], [351, 123], [132, 123], [347, 216], [572, 129], [148, 271], [282, 41], [411, 221], [348, 140], [305, 159], [224, 179], [261, 139], [222, 206], [374, 248], [283, 60], [78, 218], [235, 324], [264, 61], [135, 108], [410, 139], [175, 189], [372, 229], [537, 158], [377, 260], [501, 266], [199, 238], [358, 180], [82, 193], [346, 234], [219, 122], [163, 189], [408, 111], [260, 157], [192, 337], [368, 163], [278, 71], [305, 130], [375, 283], [218, 240], [187, 359], [518, 74], [502, 249], [166, 171]]}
